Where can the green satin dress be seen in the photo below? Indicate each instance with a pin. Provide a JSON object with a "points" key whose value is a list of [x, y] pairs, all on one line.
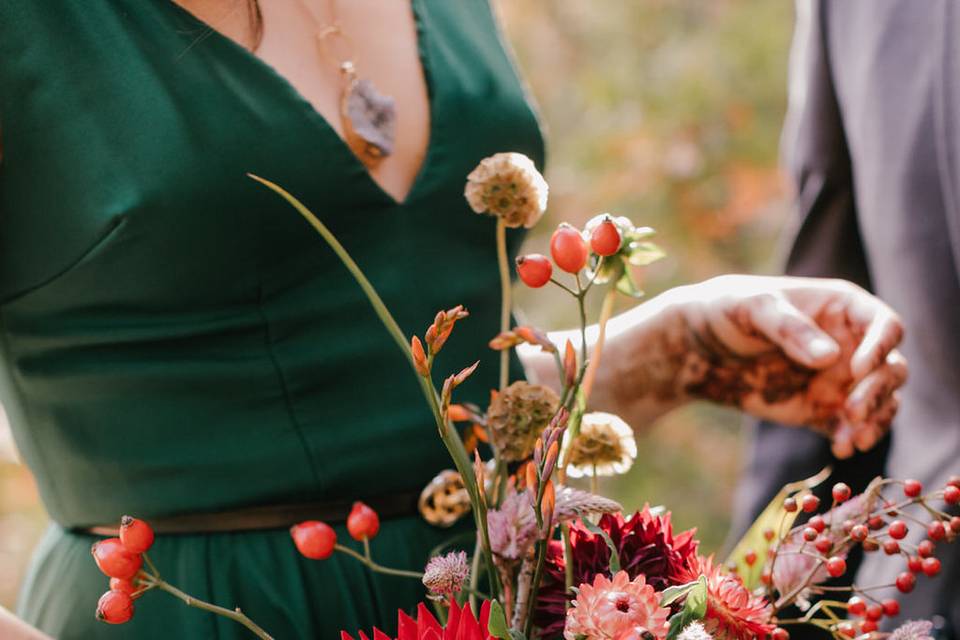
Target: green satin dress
{"points": [[175, 338]]}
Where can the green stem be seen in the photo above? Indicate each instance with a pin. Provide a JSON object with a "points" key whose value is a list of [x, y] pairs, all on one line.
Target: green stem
{"points": [[535, 585], [567, 560], [450, 437], [236, 615], [378, 568], [504, 298]]}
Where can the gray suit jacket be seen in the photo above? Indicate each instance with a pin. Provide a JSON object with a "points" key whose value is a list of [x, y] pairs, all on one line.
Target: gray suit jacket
{"points": [[872, 141]]}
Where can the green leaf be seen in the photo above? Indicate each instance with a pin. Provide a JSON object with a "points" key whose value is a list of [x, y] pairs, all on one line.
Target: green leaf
{"points": [[672, 594], [640, 254], [627, 286], [497, 626], [614, 556], [694, 608], [774, 517], [517, 635]]}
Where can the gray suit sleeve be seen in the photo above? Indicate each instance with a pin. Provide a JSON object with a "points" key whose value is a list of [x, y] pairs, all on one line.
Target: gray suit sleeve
{"points": [[825, 242]]}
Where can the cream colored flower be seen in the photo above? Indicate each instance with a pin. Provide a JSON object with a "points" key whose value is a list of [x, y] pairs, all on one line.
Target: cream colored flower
{"points": [[508, 185], [517, 417], [605, 446]]}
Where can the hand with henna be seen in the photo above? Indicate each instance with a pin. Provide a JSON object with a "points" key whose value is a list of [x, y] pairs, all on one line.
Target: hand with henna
{"points": [[800, 351]]}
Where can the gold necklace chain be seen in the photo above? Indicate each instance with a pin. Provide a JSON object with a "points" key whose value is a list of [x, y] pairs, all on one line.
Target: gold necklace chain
{"points": [[368, 117]]}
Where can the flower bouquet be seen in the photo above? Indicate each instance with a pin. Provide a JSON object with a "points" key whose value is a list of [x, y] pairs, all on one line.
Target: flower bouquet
{"points": [[550, 560]]}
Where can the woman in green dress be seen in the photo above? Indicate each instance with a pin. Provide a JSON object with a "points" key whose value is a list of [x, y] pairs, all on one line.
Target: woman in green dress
{"points": [[177, 342]]}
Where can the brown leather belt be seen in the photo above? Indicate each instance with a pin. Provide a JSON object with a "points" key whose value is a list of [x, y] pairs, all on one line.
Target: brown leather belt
{"points": [[269, 516]]}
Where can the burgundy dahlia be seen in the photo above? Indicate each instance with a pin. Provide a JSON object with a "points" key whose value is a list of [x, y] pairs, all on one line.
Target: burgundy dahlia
{"points": [[646, 546]]}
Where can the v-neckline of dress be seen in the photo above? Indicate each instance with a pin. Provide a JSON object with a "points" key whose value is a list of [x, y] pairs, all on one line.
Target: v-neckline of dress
{"points": [[265, 68]]}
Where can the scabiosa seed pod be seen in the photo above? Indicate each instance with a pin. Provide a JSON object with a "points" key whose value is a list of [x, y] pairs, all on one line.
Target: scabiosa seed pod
{"points": [[517, 417], [445, 575], [605, 446], [508, 185]]}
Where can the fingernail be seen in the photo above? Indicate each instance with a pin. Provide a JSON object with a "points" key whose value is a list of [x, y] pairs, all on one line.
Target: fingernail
{"points": [[821, 347]]}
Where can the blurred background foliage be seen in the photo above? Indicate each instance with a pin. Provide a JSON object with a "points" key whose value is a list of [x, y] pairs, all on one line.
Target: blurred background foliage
{"points": [[666, 111]]}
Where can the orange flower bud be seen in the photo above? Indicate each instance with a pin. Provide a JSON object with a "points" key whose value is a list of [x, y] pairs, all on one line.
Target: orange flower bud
{"points": [[569, 364], [531, 473], [533, 336], [549, 502], [505, 340], [419, 357], [459, 413], [465, 373]]}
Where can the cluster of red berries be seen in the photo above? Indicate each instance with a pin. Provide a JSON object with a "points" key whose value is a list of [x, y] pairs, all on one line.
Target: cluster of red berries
{"points": [[870, 615], [120, 559], [317, 540], [874, 532], [569, 250]]}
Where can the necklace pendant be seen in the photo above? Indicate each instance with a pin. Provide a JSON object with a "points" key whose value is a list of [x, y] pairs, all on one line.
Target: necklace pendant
{"points": [[369, 119]]}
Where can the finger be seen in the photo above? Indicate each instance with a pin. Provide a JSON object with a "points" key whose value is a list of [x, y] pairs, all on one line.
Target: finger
{"points": [[794, 332], [878, 425], [884, 332], [842, 444], [876, 387]]}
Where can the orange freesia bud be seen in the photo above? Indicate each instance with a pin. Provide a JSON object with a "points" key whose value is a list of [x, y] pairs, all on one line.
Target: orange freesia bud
{"points": [[459, 413], [480, 471], [531, 473], [551, 460], [505, 340], [465, 373], [538, 451], [569, 364], [480, 432], [419, 357], [442, 326], [549, 501], [533, 336]]}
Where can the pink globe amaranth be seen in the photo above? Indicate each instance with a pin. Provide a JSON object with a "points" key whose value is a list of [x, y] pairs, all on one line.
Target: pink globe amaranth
{"points": [[618, 609]]}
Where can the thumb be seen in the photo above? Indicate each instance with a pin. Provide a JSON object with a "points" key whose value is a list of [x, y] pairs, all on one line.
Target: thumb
{"points": [[794, 332]]}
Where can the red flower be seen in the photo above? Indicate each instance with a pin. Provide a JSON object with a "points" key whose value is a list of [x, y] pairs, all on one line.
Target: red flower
{"points": [[733, 613], [646, 546], [461, 625]]}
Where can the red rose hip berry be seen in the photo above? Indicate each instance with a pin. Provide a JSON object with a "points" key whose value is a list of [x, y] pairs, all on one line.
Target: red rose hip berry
{"points": [[314, 539], [534, 270], [780, 634], [926, 549], [859, 533], [135, 534], [906, 581], [936, 530], [605, 239], [891, 608], [790, 505], [915, 564], [115, 607], [841, 492], [809, 503], [568, 249], [891, 547], [951, 495], [874, 612], [931, 566], [912, 488], [363, 522], [897, 529], [115, 560], [856, 606], [124, 585], [836, 566]]}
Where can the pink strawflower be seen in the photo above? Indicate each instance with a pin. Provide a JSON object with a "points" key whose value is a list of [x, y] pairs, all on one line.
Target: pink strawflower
{"points": [[618, 609], [733, 613], [446, 575]]}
